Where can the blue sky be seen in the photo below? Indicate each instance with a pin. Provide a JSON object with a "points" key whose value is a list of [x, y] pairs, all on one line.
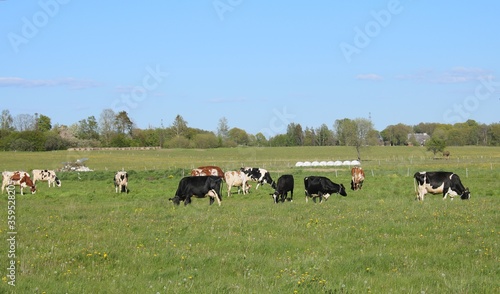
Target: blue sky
{"points": [[259, 64]]}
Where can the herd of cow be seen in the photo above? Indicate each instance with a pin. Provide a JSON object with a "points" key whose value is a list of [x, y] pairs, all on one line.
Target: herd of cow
{"points": [[24, 180], [207, 181]]}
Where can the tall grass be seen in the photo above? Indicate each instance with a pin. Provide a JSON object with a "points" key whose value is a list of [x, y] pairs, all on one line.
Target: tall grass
{"points": [[85, 238]]}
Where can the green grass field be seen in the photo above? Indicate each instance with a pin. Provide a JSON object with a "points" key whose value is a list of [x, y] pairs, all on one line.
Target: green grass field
{"points": [[85, 238]]}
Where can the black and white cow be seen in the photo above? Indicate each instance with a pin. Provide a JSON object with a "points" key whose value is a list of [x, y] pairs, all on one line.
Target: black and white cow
{"points": [[259, 175], [285, 185], [198, 186], [121, 181], [46, 175], [441, 182], [322, 187]]}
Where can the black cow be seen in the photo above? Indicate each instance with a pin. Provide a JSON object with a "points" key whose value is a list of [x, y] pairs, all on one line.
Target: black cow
{"points": [[285, 185], [198, 186], [447, 183], [322, 187], [259, 175]]}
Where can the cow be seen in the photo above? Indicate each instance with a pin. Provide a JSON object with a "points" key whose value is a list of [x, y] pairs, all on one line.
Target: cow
{"points": [[121, 182], [446, 183], [357, 178], [259, 175], [46, 175], [209, 170], [198, 186], [284, 185], [322, 187], [237, 179], [18, 178]]}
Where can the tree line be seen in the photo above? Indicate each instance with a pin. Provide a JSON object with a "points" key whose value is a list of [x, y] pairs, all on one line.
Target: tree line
{"points": [[35, 132]]}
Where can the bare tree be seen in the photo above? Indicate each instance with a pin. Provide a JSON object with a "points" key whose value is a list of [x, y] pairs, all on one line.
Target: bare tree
{"points": [[106, 125], [24, 122], [223, 129], [6, 120]]}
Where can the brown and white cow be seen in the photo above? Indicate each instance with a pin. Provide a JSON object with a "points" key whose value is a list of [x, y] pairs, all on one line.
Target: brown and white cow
{"points": [[18, 178], [237, 179], [46, 175], [209, 170], [357, 178]]}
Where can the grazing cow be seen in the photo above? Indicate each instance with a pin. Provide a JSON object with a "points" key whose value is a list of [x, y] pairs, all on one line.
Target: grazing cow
{"points": [[209, 170], [121, 182], [357, 178], [446, 183], [322, 187], [237, 179], [200, 187], [46, 175], [18, 178], [285, 185], [259, 175]]}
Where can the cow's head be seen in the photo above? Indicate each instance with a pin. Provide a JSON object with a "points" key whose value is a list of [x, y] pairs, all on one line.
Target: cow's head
{"points": [[465, 195], [275, 196], [33, 189], [176, 200], [342, 190], [58, 182]]}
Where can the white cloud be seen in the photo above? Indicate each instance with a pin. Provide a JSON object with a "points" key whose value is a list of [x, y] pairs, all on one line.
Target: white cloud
{"points": [[454, 75], [369, 77], [71, 83]]}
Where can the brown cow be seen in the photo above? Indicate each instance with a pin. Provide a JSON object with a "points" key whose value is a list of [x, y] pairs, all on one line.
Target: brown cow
{"points": [[18, 178], [208, 170], [357, 178]]}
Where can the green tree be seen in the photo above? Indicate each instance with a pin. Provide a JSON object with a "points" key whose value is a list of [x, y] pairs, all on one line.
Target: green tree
{"points": [[437, 142], [309, 137], [123, 123], [179, 126], [295, 135], [239, 136], [207, 140], [396, 134], [260, 139], [43, 123], [324, 136]]}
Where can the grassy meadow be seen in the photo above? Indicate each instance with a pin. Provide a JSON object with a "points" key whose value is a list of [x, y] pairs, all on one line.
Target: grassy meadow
{"points": [[85, 238]]}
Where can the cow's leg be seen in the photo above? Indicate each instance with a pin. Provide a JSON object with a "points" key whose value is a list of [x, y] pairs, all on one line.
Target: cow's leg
{"points": [[257, 187], [291, 196], [213, 194], [420, 193], [229, 190]]}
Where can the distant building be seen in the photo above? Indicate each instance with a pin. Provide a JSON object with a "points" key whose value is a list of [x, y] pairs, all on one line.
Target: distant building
{"points": [[420, 138]]}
